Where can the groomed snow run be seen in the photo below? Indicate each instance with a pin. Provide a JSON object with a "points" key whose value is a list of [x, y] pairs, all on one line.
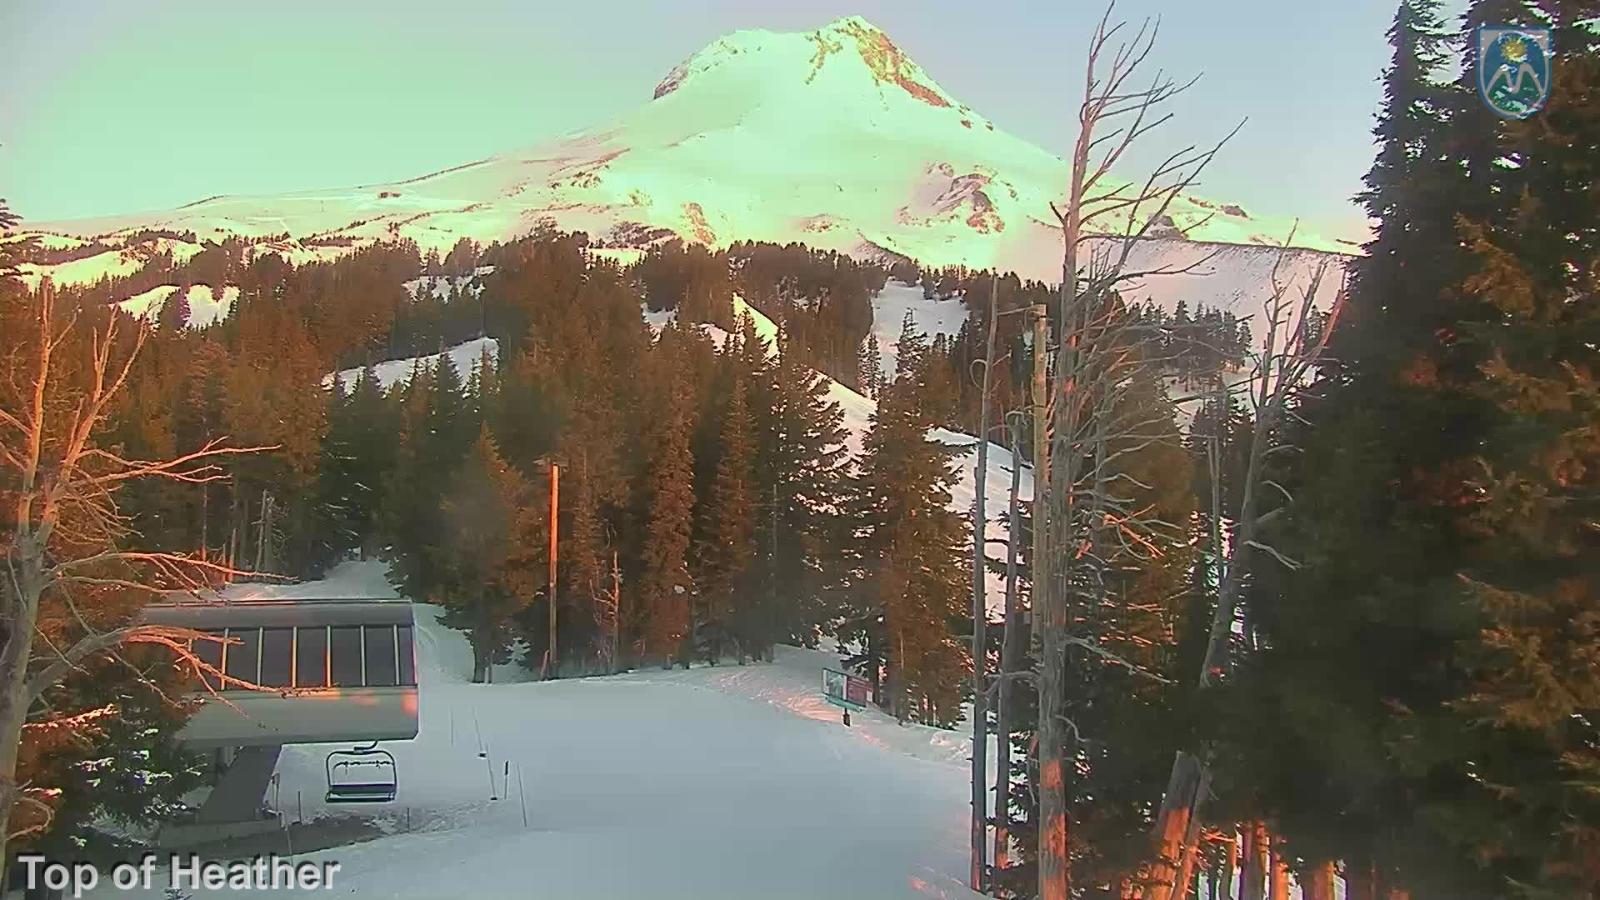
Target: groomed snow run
{"points": [[725, 782]]}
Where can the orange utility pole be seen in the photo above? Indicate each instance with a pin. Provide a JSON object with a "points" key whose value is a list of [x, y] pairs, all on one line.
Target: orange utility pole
{"points": [[555, 511]]}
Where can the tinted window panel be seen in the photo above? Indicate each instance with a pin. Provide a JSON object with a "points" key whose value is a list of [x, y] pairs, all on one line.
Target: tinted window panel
{"points": [[242, 654], [210, 652], [380, 655], [408, 662], [311, 657], [345, 650], [276, 644]]}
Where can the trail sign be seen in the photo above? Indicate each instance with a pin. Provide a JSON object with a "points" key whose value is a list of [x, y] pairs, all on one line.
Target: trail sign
{"points": [[844, 689]]}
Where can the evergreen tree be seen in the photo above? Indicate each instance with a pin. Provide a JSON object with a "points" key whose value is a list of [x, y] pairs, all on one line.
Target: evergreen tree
{"points": [[727, 534], [910, 583], [487, 558], [1433, 718], [800, 473], [664, 584], [872, 368]]}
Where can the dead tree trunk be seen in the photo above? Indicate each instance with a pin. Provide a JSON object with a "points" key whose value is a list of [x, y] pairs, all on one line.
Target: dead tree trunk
{"points": [[1069, 410], [1278, 877], [1230, 863], [1319, 883], [1010, 655], [1277, 377], [980, 616], [1253, 879], [61, 483]]}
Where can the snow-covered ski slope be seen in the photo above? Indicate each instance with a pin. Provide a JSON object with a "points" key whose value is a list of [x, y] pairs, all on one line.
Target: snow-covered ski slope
{"points": [[833, 138], [728, 782]]}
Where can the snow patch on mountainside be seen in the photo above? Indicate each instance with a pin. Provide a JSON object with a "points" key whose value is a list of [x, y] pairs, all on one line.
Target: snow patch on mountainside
{"points": [[441, 287], [206, 306], [465, 357], [932, 317]]}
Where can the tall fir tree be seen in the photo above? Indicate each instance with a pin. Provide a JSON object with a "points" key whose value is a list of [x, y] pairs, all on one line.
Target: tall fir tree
{"points": [[1431, 713], [910, 585], [665, 585], [727, 532]]}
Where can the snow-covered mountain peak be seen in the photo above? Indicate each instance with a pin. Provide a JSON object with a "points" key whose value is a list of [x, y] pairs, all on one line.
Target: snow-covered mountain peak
{"points": [[836, 68]]}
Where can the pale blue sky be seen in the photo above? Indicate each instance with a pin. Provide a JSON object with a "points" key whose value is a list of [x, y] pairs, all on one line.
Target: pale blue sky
{"points": [[120, 105]]}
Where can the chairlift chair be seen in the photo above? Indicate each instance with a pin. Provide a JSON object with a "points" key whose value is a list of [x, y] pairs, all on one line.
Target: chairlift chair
{"points": [[361, 774]]}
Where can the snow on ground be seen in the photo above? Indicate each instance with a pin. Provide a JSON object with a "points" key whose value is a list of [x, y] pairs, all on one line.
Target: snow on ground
{"points": [[351, 579], [90, 269], [931, 317], [440, 287], [623, 257], [659, 319], [206, 306], [465, 357], [722, 782]]}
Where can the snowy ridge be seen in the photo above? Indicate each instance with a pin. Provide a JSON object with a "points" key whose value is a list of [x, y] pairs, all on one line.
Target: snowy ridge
{"points": [[464, 357], [833, 138]]}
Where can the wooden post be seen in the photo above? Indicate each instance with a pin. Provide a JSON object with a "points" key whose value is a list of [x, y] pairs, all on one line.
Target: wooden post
{"points": [[1319, 883], [1252, 873], [1231, 864], [1049, 616], [616, 612], [1278, 877], [555, 511]]}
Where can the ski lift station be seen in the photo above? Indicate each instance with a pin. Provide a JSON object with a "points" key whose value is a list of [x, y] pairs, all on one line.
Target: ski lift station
{"points": [[321, 671]]}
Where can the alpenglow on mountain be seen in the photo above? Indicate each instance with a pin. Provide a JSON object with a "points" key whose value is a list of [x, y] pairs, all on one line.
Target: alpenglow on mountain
{"points": [[833, 138]]}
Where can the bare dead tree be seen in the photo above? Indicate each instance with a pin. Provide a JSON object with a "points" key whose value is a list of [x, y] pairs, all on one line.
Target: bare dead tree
{"points": [[1011, 651], [1082, 518], [65, 531], [1291, 351]]}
